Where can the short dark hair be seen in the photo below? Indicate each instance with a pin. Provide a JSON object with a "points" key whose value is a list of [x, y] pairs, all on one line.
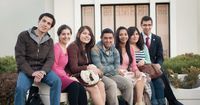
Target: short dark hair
{"points": [[146, 18], [50, 16], [106, 30], [62, 27]]}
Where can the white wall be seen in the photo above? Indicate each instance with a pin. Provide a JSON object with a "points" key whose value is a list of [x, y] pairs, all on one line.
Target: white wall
{"points": [[187, 26], [16, 16], [198, 34], [64, 13]]}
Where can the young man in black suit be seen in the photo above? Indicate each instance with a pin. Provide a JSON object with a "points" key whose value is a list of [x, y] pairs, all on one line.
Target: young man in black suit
{"points": [[155, 47]]}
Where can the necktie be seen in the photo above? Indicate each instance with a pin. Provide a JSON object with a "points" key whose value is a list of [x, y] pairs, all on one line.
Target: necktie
{"points": [[147, 42]]}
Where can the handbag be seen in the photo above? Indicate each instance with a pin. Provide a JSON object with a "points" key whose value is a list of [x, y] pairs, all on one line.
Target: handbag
{"points": [[151, 69], [87, 78], [34, 97]]}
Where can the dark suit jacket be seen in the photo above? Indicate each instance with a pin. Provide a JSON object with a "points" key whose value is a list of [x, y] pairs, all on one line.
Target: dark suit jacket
{"points": [[156, 50]]}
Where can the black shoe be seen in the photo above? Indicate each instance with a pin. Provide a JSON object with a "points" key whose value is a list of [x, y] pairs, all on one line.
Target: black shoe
{"points": [[175, 103]]}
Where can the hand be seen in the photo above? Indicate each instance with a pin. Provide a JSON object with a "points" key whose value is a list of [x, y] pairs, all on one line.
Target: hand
{"points": [[37, 80], [38, 74], [95, 69], [91, 66], [137, 73], [122, 72], [74, 78], [141, 63], [158, 65]]}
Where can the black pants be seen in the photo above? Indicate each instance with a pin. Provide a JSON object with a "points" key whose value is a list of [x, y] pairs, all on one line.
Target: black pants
{"points": [[76, 94], [168, 91]]}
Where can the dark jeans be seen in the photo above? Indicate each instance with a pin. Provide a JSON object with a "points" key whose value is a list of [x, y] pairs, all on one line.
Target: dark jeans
{"points": [[76, 94], [168, 91], [157, 88]]}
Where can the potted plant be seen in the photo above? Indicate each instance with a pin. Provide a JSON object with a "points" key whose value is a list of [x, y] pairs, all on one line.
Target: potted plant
{"points": [[8, 77], [184, 73]]}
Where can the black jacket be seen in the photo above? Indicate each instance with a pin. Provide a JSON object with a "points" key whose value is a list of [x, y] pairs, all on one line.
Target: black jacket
{"points": [[31, 56]]}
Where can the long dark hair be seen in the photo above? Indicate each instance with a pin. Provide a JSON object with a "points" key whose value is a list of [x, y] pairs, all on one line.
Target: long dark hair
{"points": [[88, 46], [140, 42], [117, 45]]}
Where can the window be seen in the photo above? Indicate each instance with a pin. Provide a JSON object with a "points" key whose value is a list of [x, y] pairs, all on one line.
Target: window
{"points": [[125, 15], [87, 15], [162, 23], [107, 16], [114, 16], [141, 10]]}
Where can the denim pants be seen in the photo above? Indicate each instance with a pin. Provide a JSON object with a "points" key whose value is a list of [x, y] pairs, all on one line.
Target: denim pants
{"points": [[157, 88], [24, 83]]}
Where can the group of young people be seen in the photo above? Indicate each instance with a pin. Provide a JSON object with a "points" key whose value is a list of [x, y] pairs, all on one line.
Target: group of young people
{"points": [[115, 59]]}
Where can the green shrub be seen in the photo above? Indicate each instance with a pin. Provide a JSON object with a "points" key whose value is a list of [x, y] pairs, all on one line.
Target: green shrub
{"points": [[188, 64], [181, 62], [7, 64]]}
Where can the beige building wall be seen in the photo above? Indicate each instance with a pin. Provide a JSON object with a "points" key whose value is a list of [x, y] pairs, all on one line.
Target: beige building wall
{"points": [[187, 26]]}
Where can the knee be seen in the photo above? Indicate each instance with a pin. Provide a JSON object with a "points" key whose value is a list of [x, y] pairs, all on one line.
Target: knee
{"points": [[112, 86], [93, 89], [57, 81], [129, 85], [158, 83], [101, 85], [140, 83]]}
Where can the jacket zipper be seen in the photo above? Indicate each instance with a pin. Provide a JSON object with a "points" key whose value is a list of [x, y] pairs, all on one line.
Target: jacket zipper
{"points": [[38, 51]]}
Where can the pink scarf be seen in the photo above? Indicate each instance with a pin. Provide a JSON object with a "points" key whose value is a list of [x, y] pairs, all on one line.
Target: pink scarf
{"points": [[133, 65]]}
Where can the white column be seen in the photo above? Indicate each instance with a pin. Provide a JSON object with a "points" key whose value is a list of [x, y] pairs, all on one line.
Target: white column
{"points": [[77, 15], [173, 39], [153, 14], [198, 11], [49, 7], [97, 20]]}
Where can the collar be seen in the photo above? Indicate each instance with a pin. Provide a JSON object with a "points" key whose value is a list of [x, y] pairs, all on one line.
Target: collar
{"points": [[102, 47], [145, 36], [36, 38], [105, 49]]}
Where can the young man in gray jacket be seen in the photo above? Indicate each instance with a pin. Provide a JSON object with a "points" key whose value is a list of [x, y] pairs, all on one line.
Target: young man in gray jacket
{"points": [[106, 57], [34, 56]]}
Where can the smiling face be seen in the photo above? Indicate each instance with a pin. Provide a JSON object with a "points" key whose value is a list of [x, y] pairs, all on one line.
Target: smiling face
{"points": [[134, 37], [123, 36], [146, 27], [85, 36], [108, 40], [65, 36], [44, 25]]}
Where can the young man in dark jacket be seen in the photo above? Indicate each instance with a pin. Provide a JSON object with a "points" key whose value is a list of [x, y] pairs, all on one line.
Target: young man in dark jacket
{"points": [[34, 56]]}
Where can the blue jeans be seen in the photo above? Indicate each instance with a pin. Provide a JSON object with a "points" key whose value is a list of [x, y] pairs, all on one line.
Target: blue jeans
{"points": [[157, 88], [24, 83]]}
